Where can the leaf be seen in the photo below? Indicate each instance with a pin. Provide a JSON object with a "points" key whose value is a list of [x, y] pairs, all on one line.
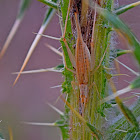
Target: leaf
{"points": [[125, 110], [1, 137], [102, 107], [50, 12], [129, 115], [125, 8], [96, 133], [64, 128], [119, 128], [132, 136], [59, 67], [120, 52], [135, 83], [123, 29], [50, 3]]}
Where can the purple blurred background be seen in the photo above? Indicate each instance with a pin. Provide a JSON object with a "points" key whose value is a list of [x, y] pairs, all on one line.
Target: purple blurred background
{"points": [[27, 100]]}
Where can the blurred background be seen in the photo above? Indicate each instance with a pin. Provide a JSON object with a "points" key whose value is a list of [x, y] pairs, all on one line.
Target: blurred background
{"points": [[27, 100]]}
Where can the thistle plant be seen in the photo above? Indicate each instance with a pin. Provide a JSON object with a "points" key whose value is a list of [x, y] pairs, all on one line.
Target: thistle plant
{"points": [[88, 56]]}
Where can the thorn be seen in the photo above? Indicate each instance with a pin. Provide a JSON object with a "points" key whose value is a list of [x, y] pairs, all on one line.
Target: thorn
{"points": [[109, 68], [10, 37], [120, 75], [136, 73], [54, 49], [118, 93], [136, 94], [56, 109], [39, 124], [56, 86], [58, 98], [121, 130], [51, 37], [33, 46], [38, 71]]}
